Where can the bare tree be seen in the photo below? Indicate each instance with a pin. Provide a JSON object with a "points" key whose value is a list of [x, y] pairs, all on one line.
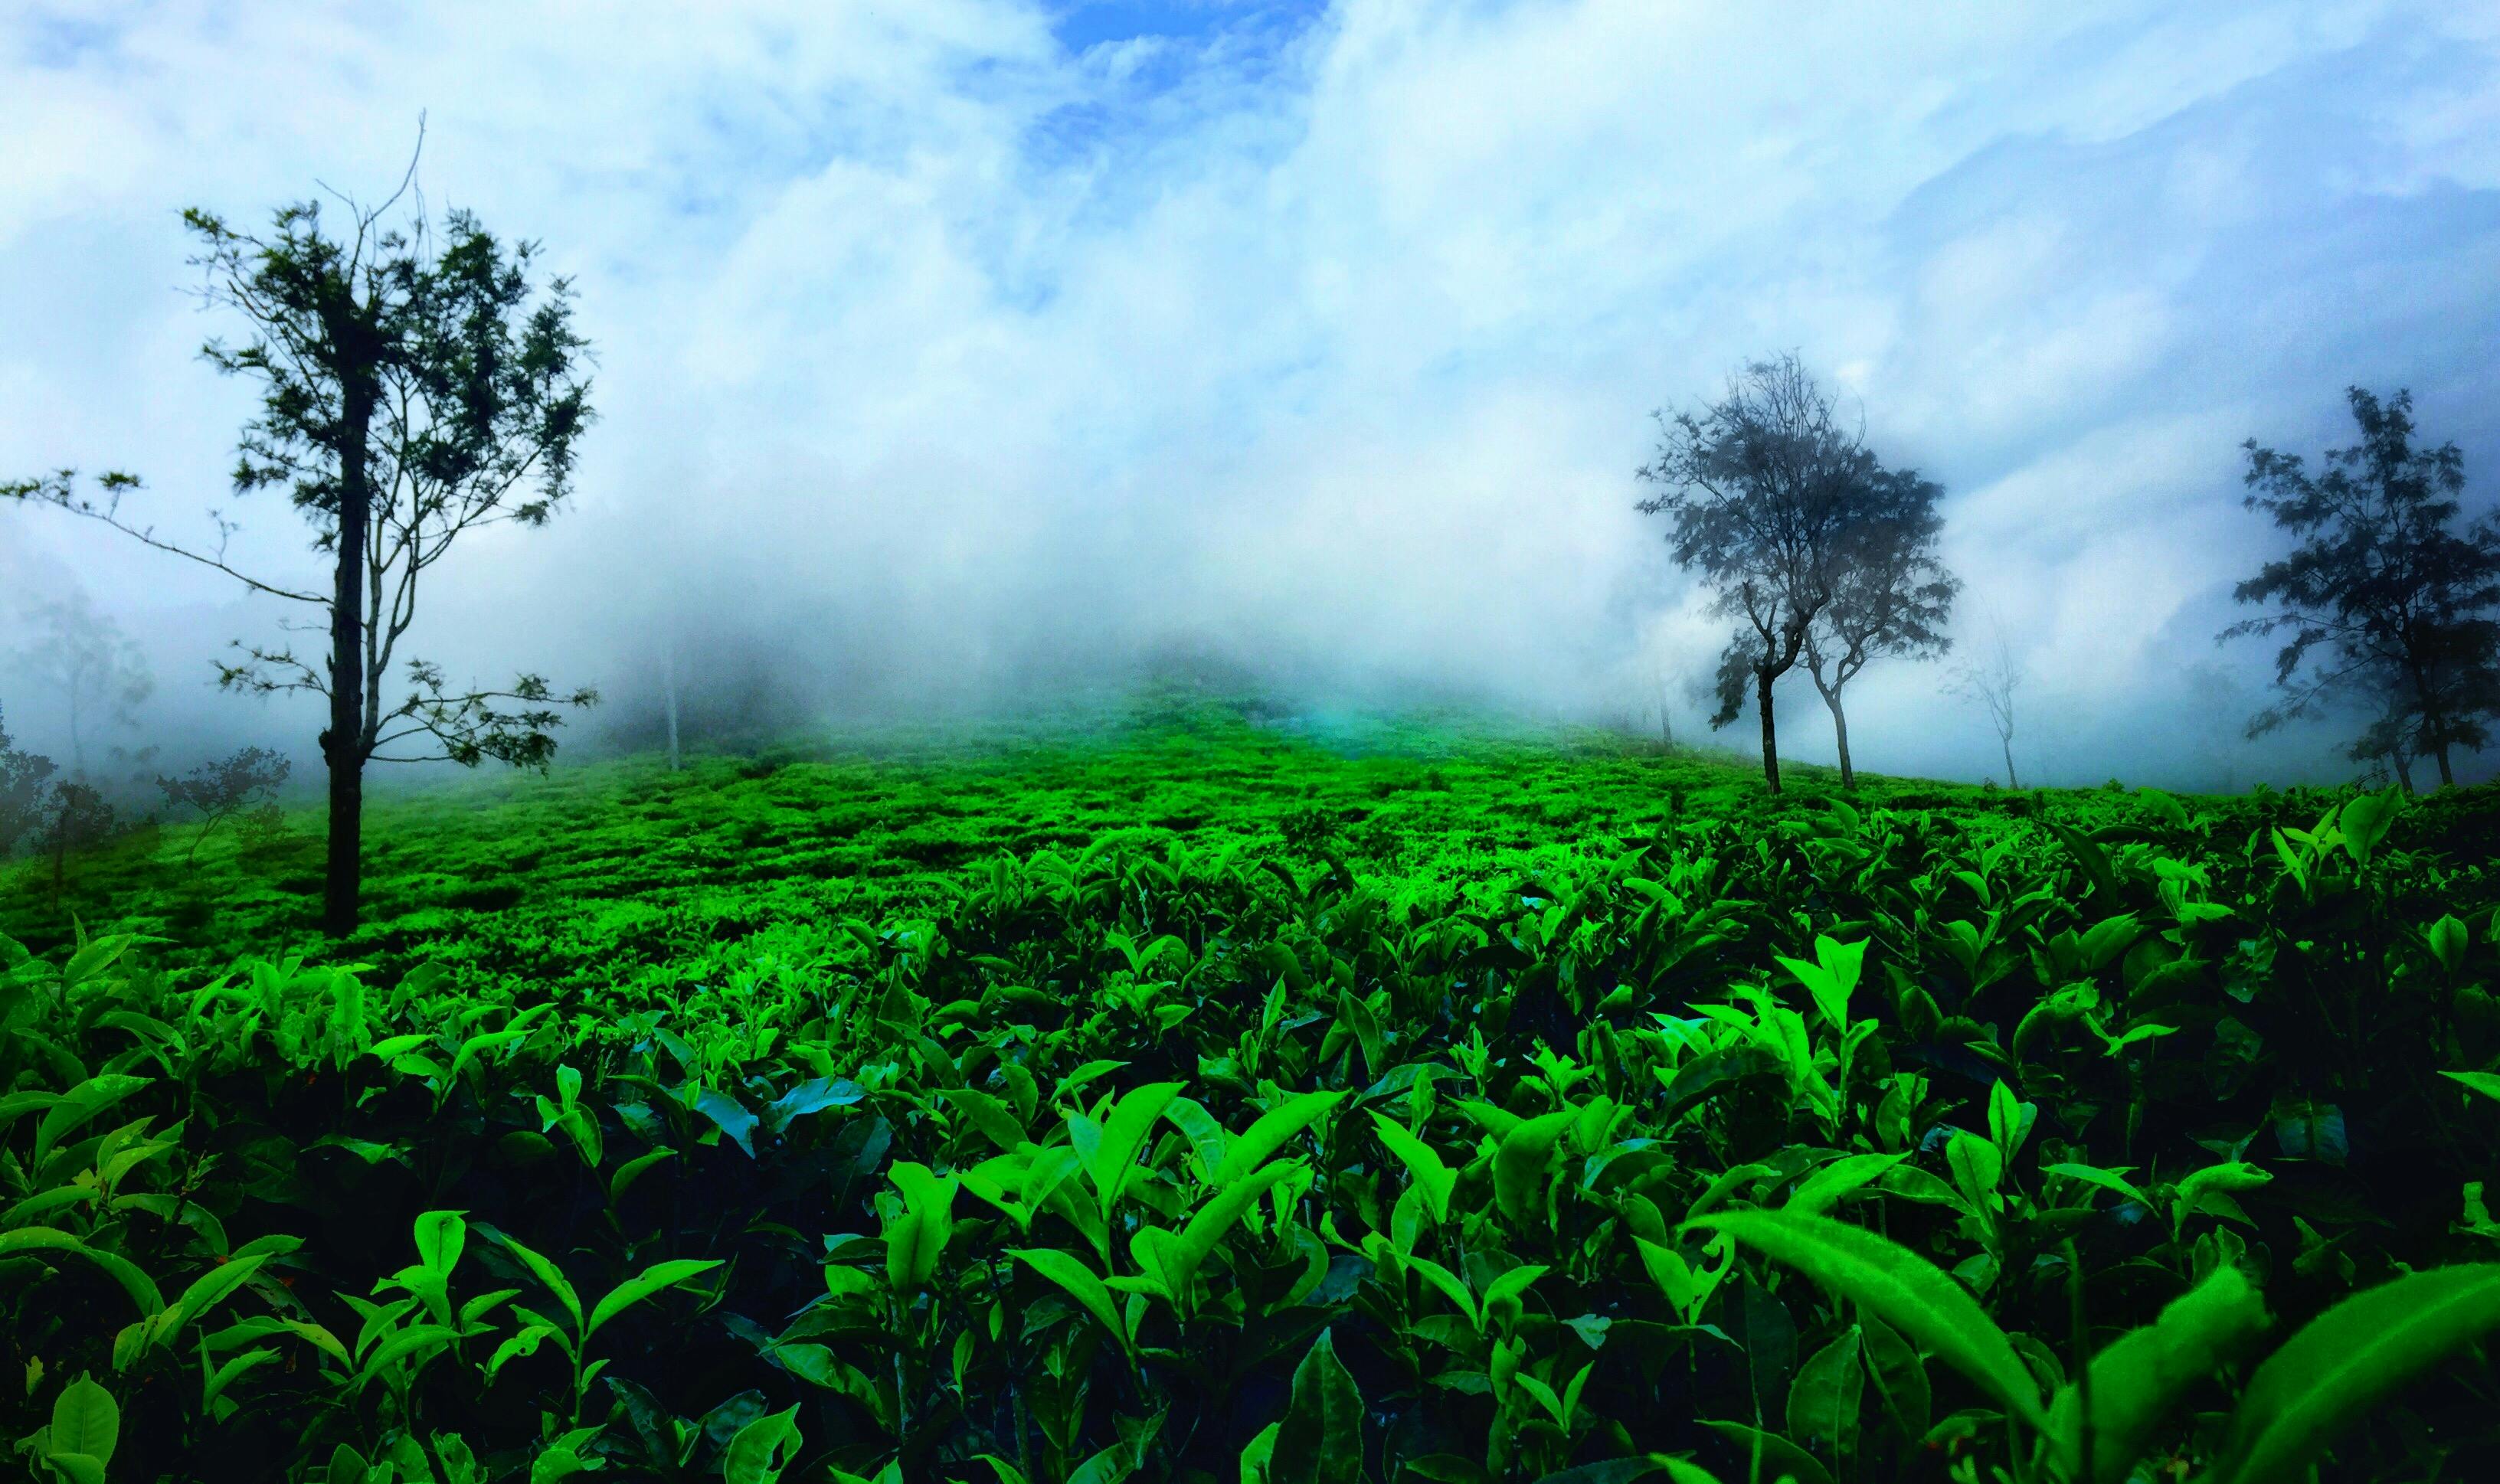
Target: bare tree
{"points": [[1991, 680]]}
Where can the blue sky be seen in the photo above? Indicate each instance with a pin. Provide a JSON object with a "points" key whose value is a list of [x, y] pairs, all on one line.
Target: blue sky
{"points": [[1195, 23], [964, 334]]}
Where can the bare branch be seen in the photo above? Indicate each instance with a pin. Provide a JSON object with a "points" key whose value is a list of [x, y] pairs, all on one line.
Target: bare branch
{"points": [[59, 491]]}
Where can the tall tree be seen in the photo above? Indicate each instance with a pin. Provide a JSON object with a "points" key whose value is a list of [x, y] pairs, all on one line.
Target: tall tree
{"points": [[1762, 488], [94, 666], [2389, 597], [413, 387], [1889, 595]]}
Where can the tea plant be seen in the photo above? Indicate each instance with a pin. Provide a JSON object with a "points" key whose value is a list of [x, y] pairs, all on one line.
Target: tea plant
{"points": [[2101, 1137]]}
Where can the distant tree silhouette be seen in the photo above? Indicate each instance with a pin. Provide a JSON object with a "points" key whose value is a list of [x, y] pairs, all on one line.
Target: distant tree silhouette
{"points": [[26, 784], [78, 817], [1992, 680], [414, 388], [1891, 595], [84, 657], [243, 782], [2389, 597]]}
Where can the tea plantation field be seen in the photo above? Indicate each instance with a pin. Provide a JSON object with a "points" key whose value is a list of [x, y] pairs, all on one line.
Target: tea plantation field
{"points": [[1203, 1101]]}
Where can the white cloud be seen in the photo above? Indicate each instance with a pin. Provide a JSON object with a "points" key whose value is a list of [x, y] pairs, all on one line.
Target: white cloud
{"points": [[922, 335]]}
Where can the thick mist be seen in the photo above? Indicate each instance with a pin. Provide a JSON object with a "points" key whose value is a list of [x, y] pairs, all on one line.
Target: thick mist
{"points": [[958, 358]]}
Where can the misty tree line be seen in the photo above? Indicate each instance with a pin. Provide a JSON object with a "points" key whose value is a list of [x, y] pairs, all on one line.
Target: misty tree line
{"points": [[99, 676], [1825, 559], [417, 382]]}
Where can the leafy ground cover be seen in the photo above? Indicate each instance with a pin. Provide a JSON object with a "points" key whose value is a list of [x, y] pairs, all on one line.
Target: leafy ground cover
{"points": [[1284, 1103]]}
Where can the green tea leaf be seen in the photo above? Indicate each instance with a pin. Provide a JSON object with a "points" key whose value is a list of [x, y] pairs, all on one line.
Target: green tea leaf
{"points": [[2487, 1084], [2107, 1179], [915, 1239], [1819, 1191], [1320, 1441], [1113, 1162], [1521, 1163], [1781, 1458], [2366, 819], [1208, 1224], [732, 1117], [1900, 1377], [2347, 1361], [2139, 1378], [2449, 940], [1424, 1166], [1899, 1287], [86, 1421], [1270, 1133], [643, 1286], [1825, 1398], [440, 1236], [207, 1288], [631, 1170], [762, 1449], [82, 1103], [548, 1274], [138, 1284], [1080, 1284]]}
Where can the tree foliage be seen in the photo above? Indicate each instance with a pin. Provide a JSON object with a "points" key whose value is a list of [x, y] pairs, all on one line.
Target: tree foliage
{"points": [[2390, 596], [244, 783], [1891, 594]]}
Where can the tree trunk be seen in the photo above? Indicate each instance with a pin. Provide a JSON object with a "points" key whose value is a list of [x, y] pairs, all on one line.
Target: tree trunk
{"points": [[1840, 734], [1770, 731], [2404, 767], [2446, 778], [2007, 738], [343, 744]]}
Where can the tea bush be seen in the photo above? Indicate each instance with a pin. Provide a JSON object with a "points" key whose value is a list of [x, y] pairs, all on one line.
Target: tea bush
{"points": [[2079, 1136]]}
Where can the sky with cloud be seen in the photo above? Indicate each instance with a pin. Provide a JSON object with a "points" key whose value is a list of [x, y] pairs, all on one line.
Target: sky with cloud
{"points": [[947, 344]]}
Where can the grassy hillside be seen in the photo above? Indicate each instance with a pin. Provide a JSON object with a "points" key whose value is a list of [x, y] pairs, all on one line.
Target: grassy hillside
{"points": [[623, 865], [625, 862]]}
